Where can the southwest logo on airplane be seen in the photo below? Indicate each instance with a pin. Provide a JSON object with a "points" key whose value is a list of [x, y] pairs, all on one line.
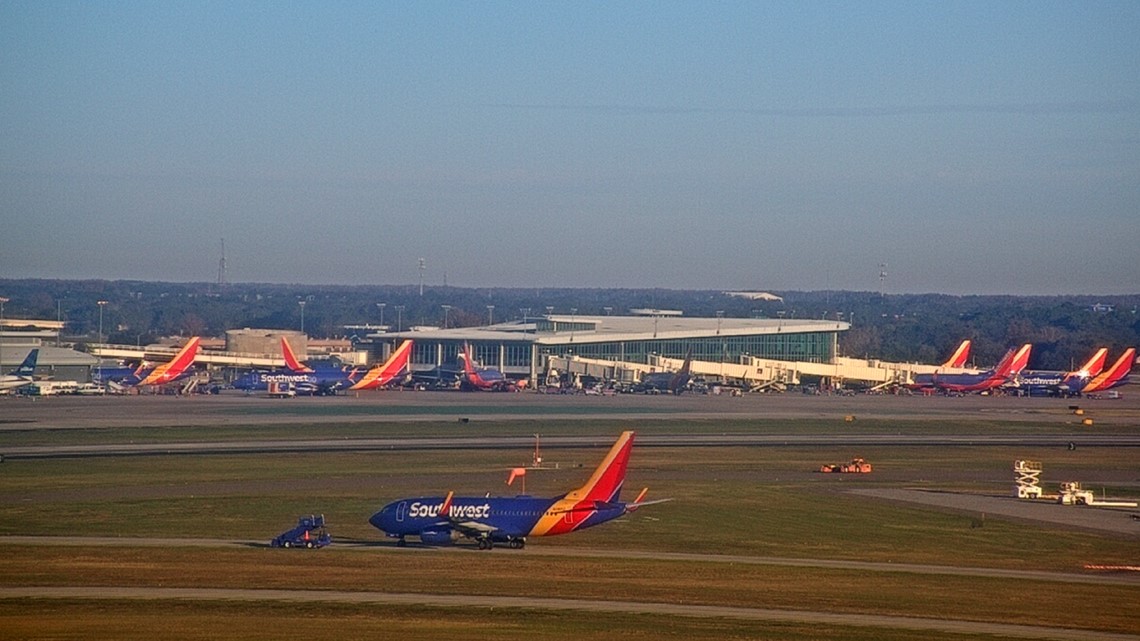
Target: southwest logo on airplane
{"points": [[444, 520]]}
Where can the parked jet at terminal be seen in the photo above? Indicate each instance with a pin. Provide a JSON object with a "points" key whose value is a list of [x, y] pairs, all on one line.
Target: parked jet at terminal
{"points": [[175, 369], [22, 375], [300, 377], [1114, 376], [442, 520], [1014, 361], [487, 379], [1039, 382], [672, 382], [387, 372]]}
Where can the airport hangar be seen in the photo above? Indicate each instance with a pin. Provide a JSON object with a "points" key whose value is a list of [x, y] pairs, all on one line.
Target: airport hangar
{"points": [[624, 347]]}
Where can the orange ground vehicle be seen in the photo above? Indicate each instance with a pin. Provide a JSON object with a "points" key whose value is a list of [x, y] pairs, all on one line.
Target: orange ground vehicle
{"points": [[856, 466]]}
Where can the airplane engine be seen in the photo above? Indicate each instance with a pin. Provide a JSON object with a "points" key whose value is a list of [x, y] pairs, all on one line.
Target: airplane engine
{"points": [[445, 536]]}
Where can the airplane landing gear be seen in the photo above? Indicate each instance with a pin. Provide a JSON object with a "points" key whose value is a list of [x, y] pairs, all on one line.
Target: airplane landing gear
{"points": [[486, 544], [518, 544]]}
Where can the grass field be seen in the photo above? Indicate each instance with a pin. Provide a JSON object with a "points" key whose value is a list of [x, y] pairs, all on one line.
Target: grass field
{"points": [[756, 501]]}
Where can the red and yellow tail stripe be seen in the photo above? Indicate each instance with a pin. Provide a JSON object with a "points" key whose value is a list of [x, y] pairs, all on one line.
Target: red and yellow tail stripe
{"points": [[291, 359], [569, 512], [1096, 363], [1121, 368], [176, 366], [383, 374], [958, 358]]}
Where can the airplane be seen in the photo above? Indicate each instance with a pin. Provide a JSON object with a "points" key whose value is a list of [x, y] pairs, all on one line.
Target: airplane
{"points": [[672, 382], [175, 369], [22, 375], [1037, 382], [443, 520], [1114, 376], [302, 378], [1010, 365], [385, 373], [487, 379], [957, 360]]}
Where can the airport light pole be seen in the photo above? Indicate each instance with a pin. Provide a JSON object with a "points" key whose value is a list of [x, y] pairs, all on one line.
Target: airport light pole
{"points": [[446, 312], [490, 314], [2, 301], [381, 306], [101, 304], [302, 304], [399, 318]]}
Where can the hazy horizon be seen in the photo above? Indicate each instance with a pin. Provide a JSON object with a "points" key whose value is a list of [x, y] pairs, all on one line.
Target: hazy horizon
{"points": [[972, 148]]}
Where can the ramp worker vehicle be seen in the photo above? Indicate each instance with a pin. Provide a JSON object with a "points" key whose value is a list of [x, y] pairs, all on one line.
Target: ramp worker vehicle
{"points": [[309, 533]]}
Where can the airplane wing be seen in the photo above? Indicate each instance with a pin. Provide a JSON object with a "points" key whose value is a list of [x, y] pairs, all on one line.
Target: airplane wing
{"points": [[468, 528]]}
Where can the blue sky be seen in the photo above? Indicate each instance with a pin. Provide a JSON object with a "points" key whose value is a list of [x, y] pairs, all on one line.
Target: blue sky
{"points": [[972, 147]]}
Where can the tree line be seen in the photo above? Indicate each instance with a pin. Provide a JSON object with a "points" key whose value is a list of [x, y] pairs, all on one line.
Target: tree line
{"points": [[895, 327]]}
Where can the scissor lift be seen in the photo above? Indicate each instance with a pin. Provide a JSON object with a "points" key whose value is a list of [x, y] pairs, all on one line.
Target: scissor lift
{"points": [[1028, 479]]}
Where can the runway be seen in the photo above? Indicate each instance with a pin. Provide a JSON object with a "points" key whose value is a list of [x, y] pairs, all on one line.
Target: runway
{"points": [[384, 547], [520, 442]]}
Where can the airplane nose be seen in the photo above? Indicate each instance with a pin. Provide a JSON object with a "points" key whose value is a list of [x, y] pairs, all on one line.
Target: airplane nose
{"points": [[377, 520]]}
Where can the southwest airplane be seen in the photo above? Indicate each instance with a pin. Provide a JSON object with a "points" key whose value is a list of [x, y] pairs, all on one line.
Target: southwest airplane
{"points": [[305, 379], [175, 369], [22, 375], [957, 360], [1114, 376], [672, 382], [1061, 383], [1014, 361], [485, 379], [385, 373], [442, 520]]}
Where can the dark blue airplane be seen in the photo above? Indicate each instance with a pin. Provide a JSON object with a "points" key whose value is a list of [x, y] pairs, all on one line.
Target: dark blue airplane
{"points": [[299, 377], [443, 520]]}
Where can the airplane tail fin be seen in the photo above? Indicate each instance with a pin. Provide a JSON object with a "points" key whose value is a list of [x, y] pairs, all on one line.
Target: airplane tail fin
{"points": [[387, 371], [687, 366], [1096, 363], [468, 364], [176, 366], [1113, 376], [606, 481], [1014, 361], [960, 355], [28, 366], [291, 361]]}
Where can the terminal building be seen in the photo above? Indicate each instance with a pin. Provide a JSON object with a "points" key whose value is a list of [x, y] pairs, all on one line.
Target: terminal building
{"points": [[627, 344]]}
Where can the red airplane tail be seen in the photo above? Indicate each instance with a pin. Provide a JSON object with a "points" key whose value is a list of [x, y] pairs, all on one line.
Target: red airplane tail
{"points": [[383, 374], [606, 481], [1113, 376], [1014, 361], [958, 358], [176, 366], [1096, 363], [291, 361]]}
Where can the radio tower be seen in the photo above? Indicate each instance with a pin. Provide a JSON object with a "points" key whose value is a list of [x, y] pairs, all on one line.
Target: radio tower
{"points": [[882, 279], [222, 266], [421, 277]]}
